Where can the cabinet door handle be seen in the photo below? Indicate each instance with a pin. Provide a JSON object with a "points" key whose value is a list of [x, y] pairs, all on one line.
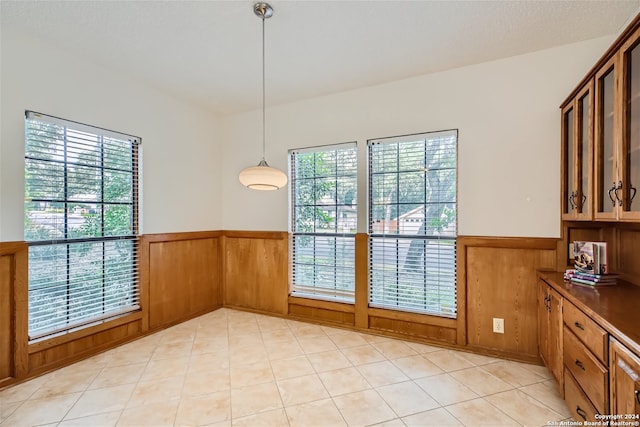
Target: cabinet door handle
{"points": [[618, 188], [631, 189], [578, 325], [571, 202], [637, 392], [584, 199], [581, 412], [580, 365], [611, 190]]}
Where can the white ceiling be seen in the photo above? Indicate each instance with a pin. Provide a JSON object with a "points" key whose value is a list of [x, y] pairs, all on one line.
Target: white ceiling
{"points": [[209, 52]]}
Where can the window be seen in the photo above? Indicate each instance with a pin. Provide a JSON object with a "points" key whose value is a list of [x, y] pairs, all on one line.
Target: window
{"points": [[81, 223], [412, 223], [323, 221]]}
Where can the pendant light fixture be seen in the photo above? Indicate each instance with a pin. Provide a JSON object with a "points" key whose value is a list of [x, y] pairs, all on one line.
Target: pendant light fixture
{"points": [[263, 176]]}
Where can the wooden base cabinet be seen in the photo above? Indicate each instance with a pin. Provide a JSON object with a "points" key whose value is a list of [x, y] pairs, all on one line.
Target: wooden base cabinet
{"points": [[600, 353], [585, 355], [550, 330], [625, 381], [577, 401], [589, 373]]}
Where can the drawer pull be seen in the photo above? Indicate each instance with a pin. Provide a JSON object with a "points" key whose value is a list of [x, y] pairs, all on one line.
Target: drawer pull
{"points": [[638, 396], [581, 412], [580, 364], [579, 325]]}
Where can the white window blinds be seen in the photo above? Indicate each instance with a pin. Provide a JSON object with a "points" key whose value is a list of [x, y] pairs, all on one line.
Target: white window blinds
{"points": [[412, 223], [323, 221], [81, 223]]}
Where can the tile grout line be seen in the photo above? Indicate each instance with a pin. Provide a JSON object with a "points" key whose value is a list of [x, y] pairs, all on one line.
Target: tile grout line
{"points": [[275, 380], [156, 344], [331, 397], [184, 380]]}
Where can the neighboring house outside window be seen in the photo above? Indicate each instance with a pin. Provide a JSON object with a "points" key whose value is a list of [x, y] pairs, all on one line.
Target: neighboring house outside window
{"points": [[81, 223], [324, 221], [412, 223]]}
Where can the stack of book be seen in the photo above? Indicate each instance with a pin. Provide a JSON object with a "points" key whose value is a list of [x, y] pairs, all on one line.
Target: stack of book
{"points": [[590, 279], [590, 265]]}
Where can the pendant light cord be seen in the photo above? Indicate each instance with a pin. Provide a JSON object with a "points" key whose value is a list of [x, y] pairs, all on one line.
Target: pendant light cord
{"points": [[263, 98]]}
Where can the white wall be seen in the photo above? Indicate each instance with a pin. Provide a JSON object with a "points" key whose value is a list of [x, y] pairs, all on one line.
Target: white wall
{"points": [[506, 112], [181, 154], [508, 149]]}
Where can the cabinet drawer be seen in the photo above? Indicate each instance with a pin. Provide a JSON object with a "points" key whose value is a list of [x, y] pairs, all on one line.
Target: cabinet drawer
{"points": [[590, 374], [577, 402], [588, 331]]}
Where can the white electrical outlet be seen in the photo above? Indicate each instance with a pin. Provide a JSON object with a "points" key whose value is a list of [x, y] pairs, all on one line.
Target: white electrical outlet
{"points": [[571, 254], [498, 325]]}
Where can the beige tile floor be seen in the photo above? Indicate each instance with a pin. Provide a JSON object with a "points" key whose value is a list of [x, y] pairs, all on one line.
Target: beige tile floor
{"points": [[231, 368]]}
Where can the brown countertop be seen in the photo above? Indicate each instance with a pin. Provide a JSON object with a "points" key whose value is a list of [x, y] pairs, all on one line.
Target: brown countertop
{"points": [[616, 308]]}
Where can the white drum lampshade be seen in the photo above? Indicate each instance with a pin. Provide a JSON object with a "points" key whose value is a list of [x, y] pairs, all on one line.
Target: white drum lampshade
{"points": [[262, 177]]}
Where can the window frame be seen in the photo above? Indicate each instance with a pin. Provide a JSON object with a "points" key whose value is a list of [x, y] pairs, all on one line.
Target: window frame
{"points": [[343, 265], [381, 239], [115, 299]]}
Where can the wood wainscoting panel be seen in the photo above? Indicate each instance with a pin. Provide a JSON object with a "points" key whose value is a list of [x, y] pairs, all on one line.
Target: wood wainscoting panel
{"points": [[6, 323], [256, 271], [413, 330], [362, 281], [13, 311], [316, 310], [49, 354], [321, 315], [184, 276], [501, 283], [422, 327]]}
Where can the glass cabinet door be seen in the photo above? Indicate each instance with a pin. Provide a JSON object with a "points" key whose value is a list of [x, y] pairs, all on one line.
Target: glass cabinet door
{"points": [[583, 199], [568, 162], [604, 141], [577, 159], [629, 170]]}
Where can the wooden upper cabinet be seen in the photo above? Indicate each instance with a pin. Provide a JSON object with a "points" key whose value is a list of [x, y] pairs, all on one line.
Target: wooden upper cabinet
{"points": [[606, 118], [601, 138], [629, 147], [577, 156]]}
